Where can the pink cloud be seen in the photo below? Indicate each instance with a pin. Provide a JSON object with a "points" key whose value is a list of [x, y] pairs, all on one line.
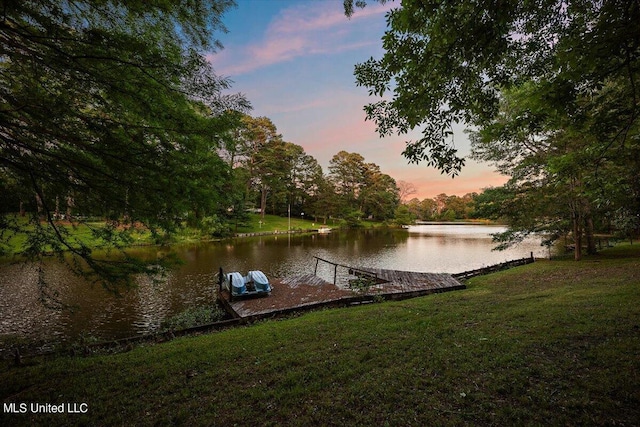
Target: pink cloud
{"points": [[274, 50], [339, 131], [324, 142], [345, 130], [338, 124], [299, 31], [349, 133]]}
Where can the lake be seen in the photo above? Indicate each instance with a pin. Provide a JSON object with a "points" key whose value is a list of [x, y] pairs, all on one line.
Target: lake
{"points": [[437, 248]]}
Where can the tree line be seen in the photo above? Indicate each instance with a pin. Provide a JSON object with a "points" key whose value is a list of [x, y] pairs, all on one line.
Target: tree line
{"points": [[271, 175], [249, 168], [443, 207]]}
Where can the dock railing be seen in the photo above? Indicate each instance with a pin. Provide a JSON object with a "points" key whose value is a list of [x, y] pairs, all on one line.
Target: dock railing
{"points": [[493, 268], [351, 270]]}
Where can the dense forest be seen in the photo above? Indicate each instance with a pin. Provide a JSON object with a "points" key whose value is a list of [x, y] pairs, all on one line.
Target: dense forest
{"points": [[270, 175], [257, 171], [251, 168]]}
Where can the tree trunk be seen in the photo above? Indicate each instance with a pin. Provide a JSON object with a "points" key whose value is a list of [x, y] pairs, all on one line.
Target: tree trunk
{"points": [[70, 205], [577, 235], [263, 201], [591, 241], [578, 207], [40, 207], [126, 205]]}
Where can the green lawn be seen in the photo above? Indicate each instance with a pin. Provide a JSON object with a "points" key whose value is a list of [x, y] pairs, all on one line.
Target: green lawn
{"points": [[274, 223], [77, 234], [550, 343], [85, 233]]}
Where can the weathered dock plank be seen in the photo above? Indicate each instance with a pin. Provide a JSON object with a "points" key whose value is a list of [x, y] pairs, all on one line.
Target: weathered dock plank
{"points": [[288, 293], [409, 281], [306, 279], [310, 291]]}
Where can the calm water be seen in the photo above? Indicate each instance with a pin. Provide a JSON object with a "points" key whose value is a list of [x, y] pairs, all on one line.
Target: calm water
{"points": [[427, 248]]}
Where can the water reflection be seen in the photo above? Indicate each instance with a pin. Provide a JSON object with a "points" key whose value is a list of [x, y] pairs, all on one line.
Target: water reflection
{"points": [[427, 248]]}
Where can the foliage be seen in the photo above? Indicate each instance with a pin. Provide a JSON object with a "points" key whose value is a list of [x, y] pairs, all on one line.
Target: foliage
{"points": [[379, 197], [446, 208], [111, 109], [353, 218], [304, 182], [279, 175], [214, 226], [450, 62], [361, 285], [549, 87], [193, 316], [361, 186], [403, 216], [547, 343], [282, 179], [263, 149], [626, 223], [563, 176]]}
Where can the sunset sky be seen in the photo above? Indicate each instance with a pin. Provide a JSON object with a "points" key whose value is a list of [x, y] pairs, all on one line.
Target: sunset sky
{"points": [[294, 61]]}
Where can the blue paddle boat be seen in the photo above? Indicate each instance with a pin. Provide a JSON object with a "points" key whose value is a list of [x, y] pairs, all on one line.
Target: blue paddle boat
{"points": [[255, 283]]}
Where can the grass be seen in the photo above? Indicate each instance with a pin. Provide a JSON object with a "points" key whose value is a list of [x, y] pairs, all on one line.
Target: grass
{"points": [[550, 343], [76, 234], [83, 233], [274, 223]]}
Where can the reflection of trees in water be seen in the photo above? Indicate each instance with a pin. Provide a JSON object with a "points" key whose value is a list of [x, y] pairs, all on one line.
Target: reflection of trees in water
{"points": [[21, 311], [436, 249], [152, 301]]}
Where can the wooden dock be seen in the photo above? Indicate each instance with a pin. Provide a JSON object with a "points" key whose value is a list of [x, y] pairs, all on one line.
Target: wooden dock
{"points": [[287, 295], [308, 292], [395, 281]]}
